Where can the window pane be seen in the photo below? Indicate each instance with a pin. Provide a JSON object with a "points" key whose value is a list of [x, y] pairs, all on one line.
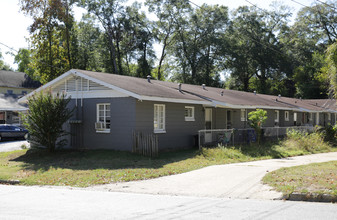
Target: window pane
{"points": [[104, 115]]}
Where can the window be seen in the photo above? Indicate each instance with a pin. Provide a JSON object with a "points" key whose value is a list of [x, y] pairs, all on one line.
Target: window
{"points": [[103, 118], [159, 118], [9, 92], [277, 115], [317, 118], [286, 116], [310, 116], [243, 115], [189, 113], [329, 116]]}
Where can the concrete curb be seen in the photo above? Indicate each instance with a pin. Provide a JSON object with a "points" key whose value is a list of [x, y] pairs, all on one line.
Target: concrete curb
{"points": [[310, 197], [9, 182]]}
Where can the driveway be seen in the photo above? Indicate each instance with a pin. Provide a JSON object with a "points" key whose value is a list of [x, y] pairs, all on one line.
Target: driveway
{"points": [[12, 145], [240, 180]]}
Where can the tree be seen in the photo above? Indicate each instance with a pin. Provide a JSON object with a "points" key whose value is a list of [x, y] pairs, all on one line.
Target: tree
{"points": [[315, 28], [111, 14], [256, 120], [198, 48], [256, 56], [89, 44], [3, 65], [331, 67], [166, 12], [24, 59], [46, 116], [52, 37]]}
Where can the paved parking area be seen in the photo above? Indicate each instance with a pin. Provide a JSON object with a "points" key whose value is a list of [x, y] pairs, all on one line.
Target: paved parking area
{"points": [[10, 145]]}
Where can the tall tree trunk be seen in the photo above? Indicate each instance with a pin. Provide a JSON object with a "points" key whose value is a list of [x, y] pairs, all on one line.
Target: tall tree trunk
{"points": [[119, 55], [112, 54], [163, 54], [68, 36], [51, 74]]}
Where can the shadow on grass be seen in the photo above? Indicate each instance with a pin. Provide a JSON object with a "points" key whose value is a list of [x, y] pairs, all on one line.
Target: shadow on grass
{"points": [[37, 159]]}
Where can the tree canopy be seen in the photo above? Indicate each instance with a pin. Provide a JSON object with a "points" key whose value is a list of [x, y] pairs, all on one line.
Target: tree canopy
{"points": [[248, 49]]}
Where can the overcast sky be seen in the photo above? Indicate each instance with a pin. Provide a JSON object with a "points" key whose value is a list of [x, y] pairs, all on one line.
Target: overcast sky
{"points": [[14, 24]]}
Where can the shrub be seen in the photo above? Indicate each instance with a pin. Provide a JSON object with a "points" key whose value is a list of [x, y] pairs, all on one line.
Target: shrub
{"points": [[46, 116], [305, 142], [256, 120], [329, 133]]}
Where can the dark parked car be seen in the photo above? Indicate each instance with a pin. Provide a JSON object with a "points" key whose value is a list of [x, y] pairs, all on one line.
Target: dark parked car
{"points": [[10, 131]]}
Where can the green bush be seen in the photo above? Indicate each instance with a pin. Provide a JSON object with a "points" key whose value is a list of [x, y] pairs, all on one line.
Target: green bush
{"points": [[45, 118], [221, 153], [329, 133], [256, 120], [305, 142]]}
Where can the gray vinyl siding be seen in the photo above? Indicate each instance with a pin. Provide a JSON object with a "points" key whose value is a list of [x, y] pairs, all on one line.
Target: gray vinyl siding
{"points": [[179, 133], [122, 112]]}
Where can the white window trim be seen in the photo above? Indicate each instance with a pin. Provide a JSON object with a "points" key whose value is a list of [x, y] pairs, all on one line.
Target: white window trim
{"points": [[243, 112], [286, 115], [158, 131], [191, 118], [106, 130], [277, 112]]}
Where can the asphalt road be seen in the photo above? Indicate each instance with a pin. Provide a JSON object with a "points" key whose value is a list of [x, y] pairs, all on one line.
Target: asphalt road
{"points": [[21, 202], [10, 145]]}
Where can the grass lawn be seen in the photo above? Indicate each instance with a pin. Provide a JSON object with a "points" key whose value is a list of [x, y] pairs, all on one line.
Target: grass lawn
{"points": [[84, 168], [317, 178]]}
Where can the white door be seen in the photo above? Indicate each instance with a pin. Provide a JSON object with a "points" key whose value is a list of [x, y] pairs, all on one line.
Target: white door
{"points": [[208, 125]]}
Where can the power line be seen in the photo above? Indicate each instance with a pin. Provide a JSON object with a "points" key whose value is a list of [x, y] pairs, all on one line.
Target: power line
{"points": [[331, 6], [256, 6], [194, 4], [38, 60], [11, 48], [299, 3]]}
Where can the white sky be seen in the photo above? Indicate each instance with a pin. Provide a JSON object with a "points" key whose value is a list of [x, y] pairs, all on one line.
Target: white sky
{"points": [[14, 24]]}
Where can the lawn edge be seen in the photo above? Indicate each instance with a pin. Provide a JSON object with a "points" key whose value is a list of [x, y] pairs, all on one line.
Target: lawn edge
{"points": [[310, 197]]}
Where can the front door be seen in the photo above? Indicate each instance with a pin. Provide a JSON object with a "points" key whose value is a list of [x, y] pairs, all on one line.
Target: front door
{"points": [[228, 119], [208, 125]]}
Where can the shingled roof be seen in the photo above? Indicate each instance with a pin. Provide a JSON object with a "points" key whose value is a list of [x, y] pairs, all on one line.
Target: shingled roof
{"points": [[140, 88], [17, 80]]}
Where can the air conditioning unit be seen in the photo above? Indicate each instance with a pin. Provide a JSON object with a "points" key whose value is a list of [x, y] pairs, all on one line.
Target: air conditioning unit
{"points": [[100, 126]]}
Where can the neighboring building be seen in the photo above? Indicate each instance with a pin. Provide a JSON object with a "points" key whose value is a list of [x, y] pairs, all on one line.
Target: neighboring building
{"points": [[110, 107], [14, 85]]}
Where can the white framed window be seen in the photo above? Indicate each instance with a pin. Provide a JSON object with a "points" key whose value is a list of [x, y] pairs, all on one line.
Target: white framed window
{"points": [[277, 115], [159, 118], [286, 115], [310, 116], [329, 116], [189, 113], [102, 124], [243, 115]]}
